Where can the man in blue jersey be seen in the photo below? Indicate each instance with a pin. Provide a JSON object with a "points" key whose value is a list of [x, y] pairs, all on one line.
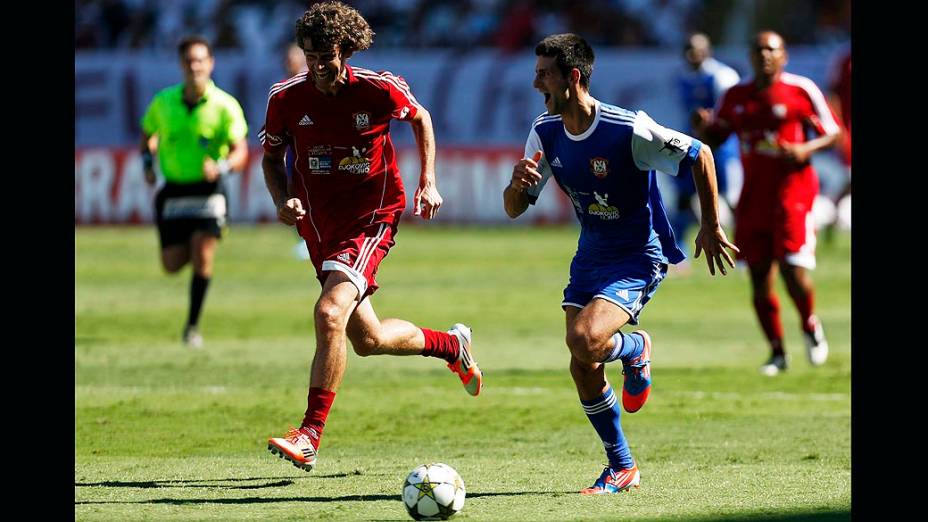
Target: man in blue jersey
{"points": [[604, 158], [701, 84]]}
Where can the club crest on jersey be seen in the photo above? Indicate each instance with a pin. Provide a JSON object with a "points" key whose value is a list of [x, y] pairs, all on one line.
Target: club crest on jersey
{"points": [[602, 208], [599, 167], [357, 163], [362, 120], [779, 110]]}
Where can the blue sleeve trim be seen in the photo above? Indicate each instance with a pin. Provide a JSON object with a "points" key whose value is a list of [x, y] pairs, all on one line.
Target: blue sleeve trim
{"points": [[686, 164], [694, 151]]}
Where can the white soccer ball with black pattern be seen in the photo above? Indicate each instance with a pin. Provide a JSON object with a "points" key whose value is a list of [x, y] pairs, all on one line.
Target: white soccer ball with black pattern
{"points": [[433, 492]]}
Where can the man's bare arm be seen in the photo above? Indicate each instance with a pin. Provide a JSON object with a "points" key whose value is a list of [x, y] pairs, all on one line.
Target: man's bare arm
{"points": [[289, 210], [148, 146], [711, 237], [427, 200]]}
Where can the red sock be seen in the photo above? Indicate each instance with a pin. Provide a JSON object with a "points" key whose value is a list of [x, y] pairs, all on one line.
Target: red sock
{"points": [[318, 402], [805, 304], [768, 313], [441, 345]]}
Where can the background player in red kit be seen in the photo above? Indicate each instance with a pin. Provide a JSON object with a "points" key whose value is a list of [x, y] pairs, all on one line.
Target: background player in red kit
{"points": [[346, 201], [772, 114]]}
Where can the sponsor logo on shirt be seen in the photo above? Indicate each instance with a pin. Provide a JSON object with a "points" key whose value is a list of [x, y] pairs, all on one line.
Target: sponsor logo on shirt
{"points": [[557, 162], [768, 146], [320, 164], [362, 120], [344, 257], [599, 167], [357, 163], [319, 159], [306, 120], [602, 209]]}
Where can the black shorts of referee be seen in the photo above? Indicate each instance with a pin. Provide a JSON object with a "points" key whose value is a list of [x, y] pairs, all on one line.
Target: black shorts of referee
{"points": [[184, 208]]}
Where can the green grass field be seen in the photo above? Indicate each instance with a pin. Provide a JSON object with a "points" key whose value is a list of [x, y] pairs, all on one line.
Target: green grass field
{"points": [[166, 433]]}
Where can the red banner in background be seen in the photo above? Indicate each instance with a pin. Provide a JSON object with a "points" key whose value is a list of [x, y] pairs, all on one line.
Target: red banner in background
{"points": [[110, 188]]}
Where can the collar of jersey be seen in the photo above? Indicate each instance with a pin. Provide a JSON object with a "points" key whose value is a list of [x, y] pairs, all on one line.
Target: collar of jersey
{"points": [[210, 87], [351, 77], [586, 134]]}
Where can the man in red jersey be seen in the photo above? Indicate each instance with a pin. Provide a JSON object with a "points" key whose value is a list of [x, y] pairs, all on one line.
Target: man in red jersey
{"points": [[346, 201], [839, 97], [772, 113]]}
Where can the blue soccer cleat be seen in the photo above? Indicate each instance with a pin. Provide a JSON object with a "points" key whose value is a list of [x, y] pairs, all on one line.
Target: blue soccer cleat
{"points": [[637, 372], [615, 481]]}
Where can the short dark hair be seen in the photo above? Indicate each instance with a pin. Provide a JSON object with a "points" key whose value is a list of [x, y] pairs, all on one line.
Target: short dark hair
{"points": [[328, 24], [570, 51], [189, 41]]}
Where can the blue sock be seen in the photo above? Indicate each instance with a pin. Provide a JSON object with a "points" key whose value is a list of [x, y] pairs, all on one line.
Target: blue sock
{"points": [[625, 347], [604, 413]]}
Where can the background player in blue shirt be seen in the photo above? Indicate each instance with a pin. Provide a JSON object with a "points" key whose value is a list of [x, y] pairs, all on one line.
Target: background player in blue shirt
{"points": [[604, 158], [700, 85]]}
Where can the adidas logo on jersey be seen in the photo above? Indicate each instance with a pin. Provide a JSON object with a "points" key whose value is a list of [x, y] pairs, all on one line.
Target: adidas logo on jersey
{"points": [[306, 120], [623, 293], [557, 162], [344, 257]]}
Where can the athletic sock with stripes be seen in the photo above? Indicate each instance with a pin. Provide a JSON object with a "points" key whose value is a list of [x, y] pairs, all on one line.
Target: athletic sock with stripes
{"points": [[604, 413]]}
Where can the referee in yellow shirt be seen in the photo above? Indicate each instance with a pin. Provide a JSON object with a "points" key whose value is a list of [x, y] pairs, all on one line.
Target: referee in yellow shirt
{"points": [[198, 132]]}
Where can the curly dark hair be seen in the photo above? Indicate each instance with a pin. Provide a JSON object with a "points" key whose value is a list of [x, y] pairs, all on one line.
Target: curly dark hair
{"points": [[570, 51], [328, 24]]}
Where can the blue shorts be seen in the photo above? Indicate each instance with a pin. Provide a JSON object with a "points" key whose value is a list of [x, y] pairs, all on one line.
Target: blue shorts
{"points": [[629, 283]]}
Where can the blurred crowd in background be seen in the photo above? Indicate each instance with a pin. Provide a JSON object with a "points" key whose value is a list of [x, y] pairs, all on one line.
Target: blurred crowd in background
{"points": [[260, 26]]}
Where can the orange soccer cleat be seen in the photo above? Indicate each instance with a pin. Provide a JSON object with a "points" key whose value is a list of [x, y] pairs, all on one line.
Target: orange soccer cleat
{"points": [[465, 366], [615, 481], [299, 446]]}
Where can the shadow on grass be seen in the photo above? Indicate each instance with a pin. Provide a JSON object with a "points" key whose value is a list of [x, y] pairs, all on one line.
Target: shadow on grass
{"points": [[345, 498], [205, 483], [817, 516]]}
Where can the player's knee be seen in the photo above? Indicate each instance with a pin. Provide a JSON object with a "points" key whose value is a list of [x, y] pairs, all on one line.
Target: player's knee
{"points": [[172, 266], [582, 344], [329, 315]]}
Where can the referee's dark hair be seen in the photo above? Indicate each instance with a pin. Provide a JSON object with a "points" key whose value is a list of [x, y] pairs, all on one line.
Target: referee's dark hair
{"points": [[188, 41]]}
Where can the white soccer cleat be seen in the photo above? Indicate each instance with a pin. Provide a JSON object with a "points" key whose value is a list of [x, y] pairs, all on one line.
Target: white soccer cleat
{"points": [[774, 365], [192, 337], [816, 345]]}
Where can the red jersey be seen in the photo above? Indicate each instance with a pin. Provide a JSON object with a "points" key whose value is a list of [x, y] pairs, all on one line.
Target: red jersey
{"points": [[773, 219], [841, 86], [344, 170], [765, 118]]}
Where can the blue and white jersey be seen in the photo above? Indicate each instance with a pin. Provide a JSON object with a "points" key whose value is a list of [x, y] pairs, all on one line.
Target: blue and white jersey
{"points": [[608, 172], [703, 88]]}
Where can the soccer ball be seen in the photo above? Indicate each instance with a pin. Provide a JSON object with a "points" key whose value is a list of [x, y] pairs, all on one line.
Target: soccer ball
{"points": [[433, 492]]}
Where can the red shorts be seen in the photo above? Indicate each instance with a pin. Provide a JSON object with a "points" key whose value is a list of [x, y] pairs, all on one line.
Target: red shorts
{"points": [[357, 256], [781, 227]]}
